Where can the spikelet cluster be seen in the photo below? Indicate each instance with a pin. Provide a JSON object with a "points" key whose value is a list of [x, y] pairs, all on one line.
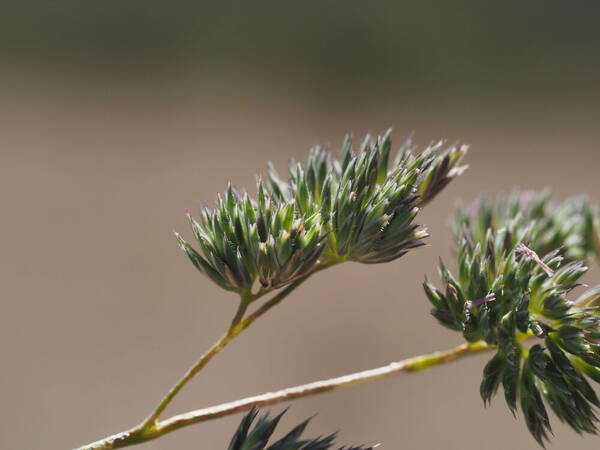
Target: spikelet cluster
{"points": [[360, 206], [504, 292], [572, 225]]}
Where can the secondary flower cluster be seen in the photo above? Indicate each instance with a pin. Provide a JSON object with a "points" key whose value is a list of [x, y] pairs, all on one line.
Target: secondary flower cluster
{"points": [[504, 293], [357, 207], [572, 225]]}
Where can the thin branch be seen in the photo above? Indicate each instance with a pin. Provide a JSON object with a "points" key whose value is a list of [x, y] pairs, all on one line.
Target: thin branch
{"points": [[241, 311], [191, 373], [317, 387], [237, 326], [202, 415]]}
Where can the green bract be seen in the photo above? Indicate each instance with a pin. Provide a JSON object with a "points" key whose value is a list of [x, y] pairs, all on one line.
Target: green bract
{"points": [[248, 437], [504, 293], [358, 207]]}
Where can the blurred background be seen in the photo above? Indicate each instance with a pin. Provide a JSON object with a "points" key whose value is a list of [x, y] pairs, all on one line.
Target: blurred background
{"points": [[117, 117]]}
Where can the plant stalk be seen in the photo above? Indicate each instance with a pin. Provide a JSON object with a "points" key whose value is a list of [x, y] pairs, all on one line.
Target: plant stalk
{"points": [[238, 325], [138, 435]]}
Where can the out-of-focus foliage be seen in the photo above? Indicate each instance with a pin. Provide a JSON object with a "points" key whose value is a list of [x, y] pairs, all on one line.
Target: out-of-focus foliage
{"points": [[532, 216], [409, 46]]}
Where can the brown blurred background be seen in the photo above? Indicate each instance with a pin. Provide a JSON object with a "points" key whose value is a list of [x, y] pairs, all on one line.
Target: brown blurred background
{"points": [[118, 117]]}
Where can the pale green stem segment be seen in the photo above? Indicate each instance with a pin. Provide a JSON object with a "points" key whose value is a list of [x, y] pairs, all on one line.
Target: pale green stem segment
{"points": [[138, 434], [149, 427], [238, 325]]}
